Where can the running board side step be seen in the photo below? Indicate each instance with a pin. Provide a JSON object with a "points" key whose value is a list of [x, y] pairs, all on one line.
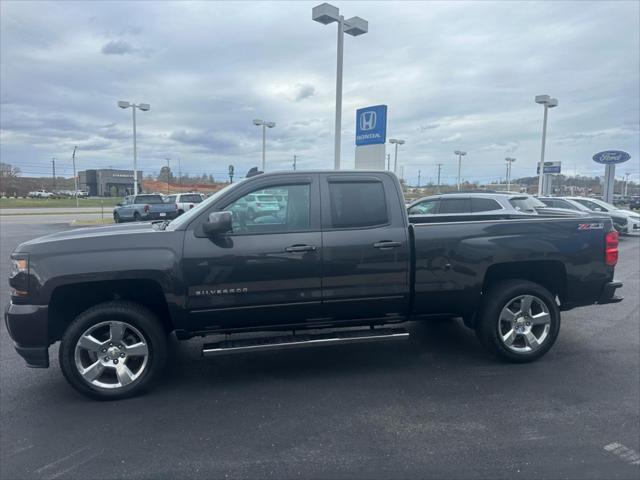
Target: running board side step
{"points": [[302, 340]]}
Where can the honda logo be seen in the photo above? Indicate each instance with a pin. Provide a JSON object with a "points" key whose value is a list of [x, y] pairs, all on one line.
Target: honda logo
{"points": [[368, 120]]}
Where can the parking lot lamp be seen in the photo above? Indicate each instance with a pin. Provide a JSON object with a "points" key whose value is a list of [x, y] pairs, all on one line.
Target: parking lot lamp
{"points": [[548, 103], [460, 154], [509, 161], [145, 107], [354, 26], [395, 160], [261, 123]]}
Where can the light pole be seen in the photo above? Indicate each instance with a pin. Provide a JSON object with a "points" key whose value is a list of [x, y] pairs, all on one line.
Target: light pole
{"points": [[439, 168], [75, 178], [509, 161], [460, 154], [168, 173], [548, 103], [145, 107], [354, 26], [395, 160], [626, 183], [261, 123]]}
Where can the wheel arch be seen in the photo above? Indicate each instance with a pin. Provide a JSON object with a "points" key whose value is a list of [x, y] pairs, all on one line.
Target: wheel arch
{"points": [[551, 274], [69, 300]]}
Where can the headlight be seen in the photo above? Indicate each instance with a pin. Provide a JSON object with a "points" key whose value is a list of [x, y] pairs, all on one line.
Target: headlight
{"points": [[19, 265], [19, 276]]}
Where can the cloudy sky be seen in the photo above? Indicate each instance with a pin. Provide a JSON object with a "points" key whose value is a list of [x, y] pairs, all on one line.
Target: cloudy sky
{"points": [[455, 75]]}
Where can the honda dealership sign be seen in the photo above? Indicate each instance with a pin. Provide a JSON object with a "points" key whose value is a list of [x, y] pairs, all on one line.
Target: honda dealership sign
{"points": [[371, 125], [371, 136]]}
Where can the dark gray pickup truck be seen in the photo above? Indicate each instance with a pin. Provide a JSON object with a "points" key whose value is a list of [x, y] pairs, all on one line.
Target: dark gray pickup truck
{"points": [[339, 251]]}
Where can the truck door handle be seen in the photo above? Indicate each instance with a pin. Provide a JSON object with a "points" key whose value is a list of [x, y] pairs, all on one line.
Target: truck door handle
{"points": [[300, 248], [387, 244]]}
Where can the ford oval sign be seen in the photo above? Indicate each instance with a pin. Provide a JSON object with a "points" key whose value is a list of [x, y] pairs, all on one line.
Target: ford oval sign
{"points": [[611, 157]]}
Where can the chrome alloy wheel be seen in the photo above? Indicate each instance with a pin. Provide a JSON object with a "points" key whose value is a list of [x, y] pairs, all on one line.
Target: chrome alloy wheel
{"points": [[524, 324], [111, 354]]}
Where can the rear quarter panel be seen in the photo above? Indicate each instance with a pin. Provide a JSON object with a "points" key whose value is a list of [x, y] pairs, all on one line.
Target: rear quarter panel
{"points": [[452, 259]]}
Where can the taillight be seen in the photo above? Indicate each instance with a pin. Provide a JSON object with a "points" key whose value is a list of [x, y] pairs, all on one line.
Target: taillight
{"points": [[611, 248], [146, 209]]}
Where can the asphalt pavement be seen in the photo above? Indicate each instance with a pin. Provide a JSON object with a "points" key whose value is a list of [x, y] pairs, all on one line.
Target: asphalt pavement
{"points": [[435, 406]]}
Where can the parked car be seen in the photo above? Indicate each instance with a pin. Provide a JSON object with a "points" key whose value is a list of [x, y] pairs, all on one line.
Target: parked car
{"points": [[627, 221], [40, 194], [343, 253], [184, 201], [261, 204], [619, 221], [634, 203], [490, 205], [146, 207]]}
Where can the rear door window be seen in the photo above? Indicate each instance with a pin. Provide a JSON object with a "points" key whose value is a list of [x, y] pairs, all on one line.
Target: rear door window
{"points": [[357, 204], [428, 207], [454, 205], [484, 205]]}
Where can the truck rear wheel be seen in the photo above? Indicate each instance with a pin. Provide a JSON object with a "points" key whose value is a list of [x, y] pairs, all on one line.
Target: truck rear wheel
{"points": [[519, 320], [113, 350]]}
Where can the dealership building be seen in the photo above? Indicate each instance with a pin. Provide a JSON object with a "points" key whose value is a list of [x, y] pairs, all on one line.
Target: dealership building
{"points": [[108, 182]]}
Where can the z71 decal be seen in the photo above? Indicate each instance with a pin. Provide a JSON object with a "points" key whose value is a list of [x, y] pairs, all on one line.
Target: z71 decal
{"points": [[590, 226]]}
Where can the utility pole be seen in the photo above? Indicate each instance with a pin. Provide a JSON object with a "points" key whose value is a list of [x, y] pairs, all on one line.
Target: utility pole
{"points": [[294, 162], [53, 166], [75, 178], [439, 168], [168, 175], [179, 172], [419, 174]]}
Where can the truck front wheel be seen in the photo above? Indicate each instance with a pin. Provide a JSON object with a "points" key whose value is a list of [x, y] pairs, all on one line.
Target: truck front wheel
{"points": [[519, 320], [113, 350]]}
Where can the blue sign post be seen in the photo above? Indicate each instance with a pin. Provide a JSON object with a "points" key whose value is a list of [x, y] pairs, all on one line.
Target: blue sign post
{"points": [[371, 125]]}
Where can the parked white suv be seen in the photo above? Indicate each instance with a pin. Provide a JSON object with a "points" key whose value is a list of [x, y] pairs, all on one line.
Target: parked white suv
{"points": [[184, 201]]}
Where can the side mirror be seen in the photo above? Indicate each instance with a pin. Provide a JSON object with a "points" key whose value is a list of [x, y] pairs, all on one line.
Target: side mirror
{"points": [[118, 204], [217, 223]]}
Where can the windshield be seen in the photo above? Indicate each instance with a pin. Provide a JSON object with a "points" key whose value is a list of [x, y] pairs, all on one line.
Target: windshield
{"points": [[186, 217], [152, 199], [526, 204]]}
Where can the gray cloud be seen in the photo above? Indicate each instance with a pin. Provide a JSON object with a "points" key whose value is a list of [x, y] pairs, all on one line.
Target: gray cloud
{"points": [[304, 90], [117, 47]]}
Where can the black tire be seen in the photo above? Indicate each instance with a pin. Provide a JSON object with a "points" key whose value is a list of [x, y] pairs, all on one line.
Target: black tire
{"points": [[116, 218], [499, 296], [119, 311], [137, 217]]}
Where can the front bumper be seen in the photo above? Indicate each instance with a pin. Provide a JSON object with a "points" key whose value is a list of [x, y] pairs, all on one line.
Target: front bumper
{"points": [[609, 293], [28, 327]]}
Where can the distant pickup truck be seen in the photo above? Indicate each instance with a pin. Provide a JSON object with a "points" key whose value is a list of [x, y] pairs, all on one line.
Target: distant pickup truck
{"points": [[40, 194], [184, 201], [341, 252], [140, 208]]}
